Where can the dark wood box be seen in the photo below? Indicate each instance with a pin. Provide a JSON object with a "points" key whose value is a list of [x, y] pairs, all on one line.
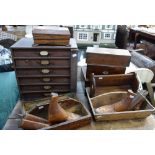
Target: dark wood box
{"points": [[108, 56], [103, 70], [44, 69]]}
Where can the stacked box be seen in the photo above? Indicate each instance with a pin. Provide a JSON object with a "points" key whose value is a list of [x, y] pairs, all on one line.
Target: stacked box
{"points": [[105, 61]]}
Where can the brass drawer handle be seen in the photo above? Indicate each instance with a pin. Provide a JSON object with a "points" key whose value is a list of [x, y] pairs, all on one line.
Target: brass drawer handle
{"points": [[46, 79], [45, 71], [43, 53], [47, 87], [45, 62], [105, 72]]}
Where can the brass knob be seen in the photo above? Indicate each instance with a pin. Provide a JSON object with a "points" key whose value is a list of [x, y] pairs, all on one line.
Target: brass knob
{"points": [[44, 53], [47, 87], [45, 62], [45, 71], [46, 79], [105, 72]]}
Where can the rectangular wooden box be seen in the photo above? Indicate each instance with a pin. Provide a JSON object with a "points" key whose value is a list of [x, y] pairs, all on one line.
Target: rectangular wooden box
{"points": [[44, 69], [40, 108], [108, 56], [51, 35], [113, 97]]}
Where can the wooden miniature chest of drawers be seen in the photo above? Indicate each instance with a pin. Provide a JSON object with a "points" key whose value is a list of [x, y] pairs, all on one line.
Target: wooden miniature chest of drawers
{"points": [[41, 70]]}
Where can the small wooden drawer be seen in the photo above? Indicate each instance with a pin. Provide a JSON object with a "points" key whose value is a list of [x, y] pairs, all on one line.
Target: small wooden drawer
{"points": [[30, 96], [104, 70], [41, 53], [44, 87], [46, 79], [44, 62], [43, 71]]}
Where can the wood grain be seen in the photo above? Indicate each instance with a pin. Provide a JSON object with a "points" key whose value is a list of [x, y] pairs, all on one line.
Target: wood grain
{"points": [[112, 97]]}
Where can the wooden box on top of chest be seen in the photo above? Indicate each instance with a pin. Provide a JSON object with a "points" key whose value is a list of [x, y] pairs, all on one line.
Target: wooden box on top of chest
{"points": [[41, 70]]}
